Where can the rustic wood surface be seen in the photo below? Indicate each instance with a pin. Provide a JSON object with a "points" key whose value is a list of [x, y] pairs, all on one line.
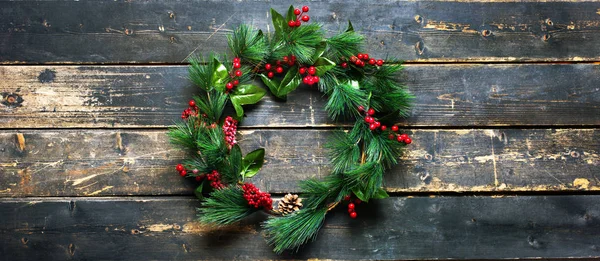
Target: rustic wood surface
{"points": [[504, 162], [129, 162], [447, 95], [396, 228], [170, 31]]}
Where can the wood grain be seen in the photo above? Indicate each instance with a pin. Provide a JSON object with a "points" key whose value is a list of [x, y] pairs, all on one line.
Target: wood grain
{"points": [[169, 31], [154, 96], [115, 162], [533, 227]]}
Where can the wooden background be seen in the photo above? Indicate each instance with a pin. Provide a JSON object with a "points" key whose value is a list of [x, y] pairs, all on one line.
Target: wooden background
{"points": [[505, 161]]}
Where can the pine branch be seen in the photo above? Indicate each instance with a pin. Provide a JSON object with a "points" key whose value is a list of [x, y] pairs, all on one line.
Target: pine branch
{"points": [[301, 41], [292, 231], [344, 101], [212, 103], [248, 44], [343, 45], [184, 134], [201, 72], [212, 146], [343, 152], [225, 206]]}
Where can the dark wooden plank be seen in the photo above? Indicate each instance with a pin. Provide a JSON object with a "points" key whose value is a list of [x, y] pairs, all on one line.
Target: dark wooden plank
{"points": [[393, 229], [169, 31], [154, 96], [101, 163]]}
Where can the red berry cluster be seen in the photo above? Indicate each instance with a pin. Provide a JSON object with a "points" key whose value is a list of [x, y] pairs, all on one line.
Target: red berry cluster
{"points": [[271, 70], [190, 111], [230, 128], [299, 16], [369, 119], [310, 77], [181, 169], [359, 60], [235, 74], [256, 198], [401, 138], [215, 179], [352, 206]]}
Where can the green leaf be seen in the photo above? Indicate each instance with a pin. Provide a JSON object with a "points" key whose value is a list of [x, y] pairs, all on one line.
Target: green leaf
{"points": [[253, 162], [220, 75], [319, 50], [198, 191], [272, 84], [290, 82], [245, 94], [278, 22], [350, 27], [359, 194], [290, 14], [380, 194], [235, 159], [323, 65]]}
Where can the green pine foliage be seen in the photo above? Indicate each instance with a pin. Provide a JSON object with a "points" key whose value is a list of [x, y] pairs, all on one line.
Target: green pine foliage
{"points": [[224, 207], [359, 156]]}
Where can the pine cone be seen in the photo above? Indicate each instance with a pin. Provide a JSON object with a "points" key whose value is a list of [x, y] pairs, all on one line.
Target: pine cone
{"points": [[289, 203]]}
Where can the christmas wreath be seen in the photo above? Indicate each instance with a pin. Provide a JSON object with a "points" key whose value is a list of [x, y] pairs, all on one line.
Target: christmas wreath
{"points": [[358, 88]]}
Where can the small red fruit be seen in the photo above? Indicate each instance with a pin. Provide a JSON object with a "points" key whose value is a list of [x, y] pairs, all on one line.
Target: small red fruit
{"points": [[238, 73], [305, 18], [347, 197], [392, 136], [372, 61], [360, 56], [351, 206], [179, 167], [292, 23], [394, 128], [298, 23], [236, 60], [369, 119], [297, 11], [370, 112], [408, 141], [316, 79], [361, 109], [229, 86], [383, 127], [372, 126], [237, 65], [379, 62], [344, 65], [279, 69], [350, 210], [312, 70], [377, 124], [366, 56], [305, 9], [192, 103], [268, 66], [270, 74], [302, 70], [183, 173], [353, 215], [400, 138], [198, 178], [236, 82]]}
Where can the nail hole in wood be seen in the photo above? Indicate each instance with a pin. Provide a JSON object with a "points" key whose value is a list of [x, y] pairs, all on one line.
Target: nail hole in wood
{"points": [[171, 15], [549, 22], [72, 249], [418, 19], [575, 154], [420, 47], [24, 241], [546, 37], [486, 33], [128, 31], [428, 157], [135, 231]]}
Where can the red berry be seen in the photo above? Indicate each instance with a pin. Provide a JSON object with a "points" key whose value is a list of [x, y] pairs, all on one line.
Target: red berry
{"points": [[369, 119], [360, 56], [305, 79], [297, 11], [293, 57], [383, 127], [370, 111], [238, 73], [353, 58], [268, 66], [285, 59], [347, 197], [408, 140], [344, 65], [237, 65], [279, 69], [351, 206], [229, 86], [316, 79], [236, 82], [372, 126], [305, 18], [366, 56], [394, 128], [179, 167], [312, 70], [305, 9], [270, 74], [292, 23], [361, 109], [357, 201], [379, 62], [183, 173], [192, 103], [353, 215], [377, 124], [311, 80], [404, 136], [236, 60], [400, 138], [198, 178], [392, 136], [302, 70], [298, 23], [372, 61]]}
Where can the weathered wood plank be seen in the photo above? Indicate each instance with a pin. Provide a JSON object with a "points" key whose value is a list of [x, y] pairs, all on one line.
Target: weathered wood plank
{"points": [[169, 31], [154, 96], [101, 163], [392, 229]]}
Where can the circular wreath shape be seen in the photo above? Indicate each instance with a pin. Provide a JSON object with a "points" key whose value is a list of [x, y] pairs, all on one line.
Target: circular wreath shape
{"points": [[358, 87]]}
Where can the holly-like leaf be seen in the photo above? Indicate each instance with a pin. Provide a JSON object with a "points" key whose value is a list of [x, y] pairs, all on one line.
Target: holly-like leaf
{"points": [[278, 22], [245, 94], [235, 159], [323, 65], [380, 194], [290, 82], [220, 75], [350, 27], [319, 50], [359, 194], [290, 14], [198, 191], [253, 162], [271, 83]]}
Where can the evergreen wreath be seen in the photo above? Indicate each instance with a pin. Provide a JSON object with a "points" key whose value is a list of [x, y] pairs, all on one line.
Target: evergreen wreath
{"points": [[359, 88]]}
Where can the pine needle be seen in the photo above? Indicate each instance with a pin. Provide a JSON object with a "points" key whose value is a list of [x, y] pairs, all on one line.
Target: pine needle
{"points": [[292, 231], [225, 206]]}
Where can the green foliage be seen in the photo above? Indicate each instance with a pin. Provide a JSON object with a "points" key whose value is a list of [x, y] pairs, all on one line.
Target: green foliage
{"points": [[224, 207], [344, 44], [231, 168], [344, 100], [365, 180], [253, 162], [208, 74], [248, 44], [211, 103], [292, 231], [343, 152], [184, 134], [245, 94], [280, 89]]}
